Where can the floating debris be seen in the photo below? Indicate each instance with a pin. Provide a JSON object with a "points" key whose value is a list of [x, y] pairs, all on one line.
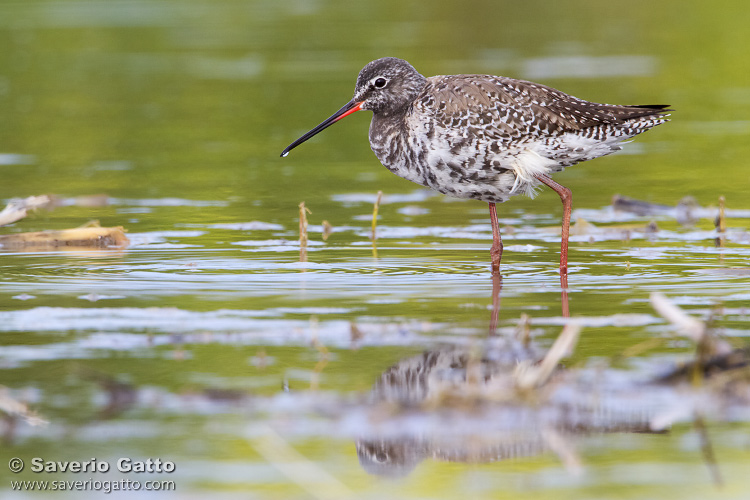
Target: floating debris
{"points": [[16, 409], [90, 235], [624, 204], [17, 209], [694, 329], [727, 367], [687, 211], [583, 228], [530, 375], [78, 238]]}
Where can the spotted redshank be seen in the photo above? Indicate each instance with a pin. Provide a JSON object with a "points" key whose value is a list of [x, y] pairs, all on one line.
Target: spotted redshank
{"points": [[485, 137]]}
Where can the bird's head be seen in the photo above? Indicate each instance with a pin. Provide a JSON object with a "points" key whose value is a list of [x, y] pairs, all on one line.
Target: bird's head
{"points": [[385, 86]]}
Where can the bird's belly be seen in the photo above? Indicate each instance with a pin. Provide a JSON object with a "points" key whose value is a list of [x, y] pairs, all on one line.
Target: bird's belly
{"points": [[448, 162], [463, 167], [418, 156], [459, 179]]}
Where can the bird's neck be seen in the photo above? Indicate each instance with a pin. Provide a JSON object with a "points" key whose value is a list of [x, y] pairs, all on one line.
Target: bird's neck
{"points": [[390, 141], [387, 137]]}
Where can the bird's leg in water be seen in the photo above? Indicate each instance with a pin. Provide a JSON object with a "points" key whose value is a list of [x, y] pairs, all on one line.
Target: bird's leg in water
{"points": [[566, 197], [496, 252]]}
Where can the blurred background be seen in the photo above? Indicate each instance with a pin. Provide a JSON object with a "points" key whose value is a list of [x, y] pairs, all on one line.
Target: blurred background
{"points": [[196, 99], [177, 111]]}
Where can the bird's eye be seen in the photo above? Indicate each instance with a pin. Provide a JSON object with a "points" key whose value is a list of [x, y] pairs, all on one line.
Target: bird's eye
{"points": [[379, 83]]}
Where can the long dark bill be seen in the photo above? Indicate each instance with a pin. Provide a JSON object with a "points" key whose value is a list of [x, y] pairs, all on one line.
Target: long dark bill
{"points": [[349, 108]]}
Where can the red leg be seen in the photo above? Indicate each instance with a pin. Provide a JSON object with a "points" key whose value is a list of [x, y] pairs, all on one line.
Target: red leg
{"points": [[566, 198], [496, 252]]}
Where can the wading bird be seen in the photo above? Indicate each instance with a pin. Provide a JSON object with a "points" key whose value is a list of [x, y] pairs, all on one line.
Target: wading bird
{"points": [[485, 137]]}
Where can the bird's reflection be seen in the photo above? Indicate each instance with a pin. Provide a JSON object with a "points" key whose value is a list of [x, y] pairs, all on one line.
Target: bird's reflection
{"points": [[460, 405], [497, 288], [414, 381], [504, 397], [564, 295], [435, 383], [398, 457]]}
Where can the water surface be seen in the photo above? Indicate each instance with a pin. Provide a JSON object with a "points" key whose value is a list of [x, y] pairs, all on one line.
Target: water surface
{"points": [[207, 343]]}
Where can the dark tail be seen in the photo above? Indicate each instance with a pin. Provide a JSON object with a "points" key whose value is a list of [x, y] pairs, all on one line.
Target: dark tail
{"points": [[625, 113], [654, 109]]}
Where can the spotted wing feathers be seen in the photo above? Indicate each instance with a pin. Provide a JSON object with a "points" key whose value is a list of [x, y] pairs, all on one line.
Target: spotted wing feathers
{"points": [[505, 108]]}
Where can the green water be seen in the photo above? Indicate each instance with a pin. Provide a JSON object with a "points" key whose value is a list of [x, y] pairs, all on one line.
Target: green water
{"points": [[178, 111]]}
